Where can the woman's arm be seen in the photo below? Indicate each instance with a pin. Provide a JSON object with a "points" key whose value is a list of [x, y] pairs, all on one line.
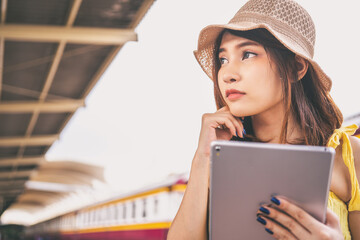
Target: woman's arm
{"points": [[354, 224], [354, 217], [190, 221]]}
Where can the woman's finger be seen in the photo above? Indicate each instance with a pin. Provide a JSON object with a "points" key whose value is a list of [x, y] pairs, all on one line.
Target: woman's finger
{"points": [[238, 125], [275, 229], [297, 213], [229, 123], [288, 222], [236, 121]]}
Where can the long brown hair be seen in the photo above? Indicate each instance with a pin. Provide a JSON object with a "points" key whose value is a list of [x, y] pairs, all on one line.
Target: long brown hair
{"points": [[306, 100]]}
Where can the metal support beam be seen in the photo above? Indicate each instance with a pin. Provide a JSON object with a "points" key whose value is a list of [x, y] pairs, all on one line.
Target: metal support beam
{"points": [[53, 69], [2, 42], [28, 141], [52, 107], [17, 174], [73, 12], [83, 35], [11, 192], [16, 183], [54, 187], [22, 161], [3, 11], [2, 49]]}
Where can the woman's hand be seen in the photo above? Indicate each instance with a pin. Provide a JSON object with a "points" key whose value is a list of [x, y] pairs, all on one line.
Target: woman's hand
{"points": [[296, 223], [221, 125], [190, 221]]}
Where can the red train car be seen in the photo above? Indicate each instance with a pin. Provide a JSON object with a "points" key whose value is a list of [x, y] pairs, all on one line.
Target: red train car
{"points": [[146, 214]]}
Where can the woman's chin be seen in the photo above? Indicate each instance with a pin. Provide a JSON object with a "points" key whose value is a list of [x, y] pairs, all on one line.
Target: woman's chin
{"points": [[237, 113]]}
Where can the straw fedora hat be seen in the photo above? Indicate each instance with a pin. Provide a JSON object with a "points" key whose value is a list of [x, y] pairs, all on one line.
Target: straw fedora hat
{"points": [[284, 19]]}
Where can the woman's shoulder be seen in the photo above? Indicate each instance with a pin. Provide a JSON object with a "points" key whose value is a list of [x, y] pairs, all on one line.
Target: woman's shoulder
{"points": [[355, 145]]}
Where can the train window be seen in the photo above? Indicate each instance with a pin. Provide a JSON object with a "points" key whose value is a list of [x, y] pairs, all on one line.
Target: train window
{"points": [[109, 214], [144, 208], [101, 210], [156, 205], [115, 212], [124, 211], [104, 214], [93, 217], [83, 220], [87, 218], [119, 208], [133, 209], [98, 216], [101, 215]]}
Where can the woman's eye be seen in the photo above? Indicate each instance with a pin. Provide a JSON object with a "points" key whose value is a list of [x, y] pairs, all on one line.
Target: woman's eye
{"points": [[248, 55], [223, 60]]}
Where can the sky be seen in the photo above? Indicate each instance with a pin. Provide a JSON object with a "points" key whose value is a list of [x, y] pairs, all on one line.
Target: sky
{"points": [[142, 119]]}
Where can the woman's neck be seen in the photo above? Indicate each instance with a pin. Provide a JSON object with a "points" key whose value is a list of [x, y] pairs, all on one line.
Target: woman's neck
{"points": [[267, 127]]}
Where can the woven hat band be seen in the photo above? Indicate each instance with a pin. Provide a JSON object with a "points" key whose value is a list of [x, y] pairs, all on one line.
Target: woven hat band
{"points": [[288, 12], [275, 26]]}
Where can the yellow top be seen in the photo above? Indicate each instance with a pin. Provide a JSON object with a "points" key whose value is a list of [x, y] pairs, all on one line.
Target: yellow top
{"points": [[334, 202]]}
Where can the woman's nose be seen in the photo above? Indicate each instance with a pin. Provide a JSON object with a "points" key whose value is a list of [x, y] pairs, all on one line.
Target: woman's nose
{"points": [[230, 76]]}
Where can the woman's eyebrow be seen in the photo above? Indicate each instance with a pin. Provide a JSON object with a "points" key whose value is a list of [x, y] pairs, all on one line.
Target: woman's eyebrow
{"points": [[241, 45]]}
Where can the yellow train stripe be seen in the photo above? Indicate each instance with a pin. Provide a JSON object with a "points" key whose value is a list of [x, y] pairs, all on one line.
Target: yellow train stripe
{"points": [[159, 190], [179, 187], [176, 187], [144, 226]]}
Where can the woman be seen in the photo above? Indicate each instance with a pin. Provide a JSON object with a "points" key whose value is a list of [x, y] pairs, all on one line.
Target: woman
{"points": [[268, 89]]}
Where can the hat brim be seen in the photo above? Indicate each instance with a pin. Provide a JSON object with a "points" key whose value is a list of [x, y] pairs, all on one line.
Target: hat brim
{"points": [[206, 46]]}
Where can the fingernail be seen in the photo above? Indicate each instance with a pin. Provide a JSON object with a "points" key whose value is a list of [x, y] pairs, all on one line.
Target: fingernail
{"points": [[244, 132], [275, 200], [237, 134], [269, 231], [261, 220], [264, 210]]}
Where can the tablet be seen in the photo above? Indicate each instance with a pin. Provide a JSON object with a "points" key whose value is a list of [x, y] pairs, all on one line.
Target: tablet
{"points": [[245, 175]]}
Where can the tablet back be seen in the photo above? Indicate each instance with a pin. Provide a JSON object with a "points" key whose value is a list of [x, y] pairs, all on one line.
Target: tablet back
{"points": [[245, 175]]}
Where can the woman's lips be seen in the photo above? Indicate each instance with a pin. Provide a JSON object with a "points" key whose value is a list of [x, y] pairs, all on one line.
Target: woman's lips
{"points": [[233, 94]]}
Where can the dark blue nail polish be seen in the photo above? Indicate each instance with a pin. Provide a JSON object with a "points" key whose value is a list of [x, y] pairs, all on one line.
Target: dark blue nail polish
{"points": [[269, 231], [275, 200], [244, 132], [261, 220], [264, 210]]}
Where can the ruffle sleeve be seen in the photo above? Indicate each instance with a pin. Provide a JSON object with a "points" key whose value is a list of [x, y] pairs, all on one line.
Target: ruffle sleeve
{"points": [[343, 134]]}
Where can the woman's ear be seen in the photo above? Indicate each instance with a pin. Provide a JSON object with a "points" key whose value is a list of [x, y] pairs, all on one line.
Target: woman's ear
{"points": [[302, 66]]}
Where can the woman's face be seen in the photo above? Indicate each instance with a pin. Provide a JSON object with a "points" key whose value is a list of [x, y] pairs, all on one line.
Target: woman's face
{"points": [[248, 81]]}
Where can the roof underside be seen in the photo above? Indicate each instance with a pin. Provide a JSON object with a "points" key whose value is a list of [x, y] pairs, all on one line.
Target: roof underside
{"points": [[52, 53]]}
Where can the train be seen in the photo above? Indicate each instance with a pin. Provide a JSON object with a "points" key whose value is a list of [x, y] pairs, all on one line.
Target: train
{"points": [[145, 214]]}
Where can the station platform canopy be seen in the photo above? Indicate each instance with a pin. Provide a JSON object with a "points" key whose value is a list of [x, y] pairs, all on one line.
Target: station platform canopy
{"points": [[52, 53]]}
